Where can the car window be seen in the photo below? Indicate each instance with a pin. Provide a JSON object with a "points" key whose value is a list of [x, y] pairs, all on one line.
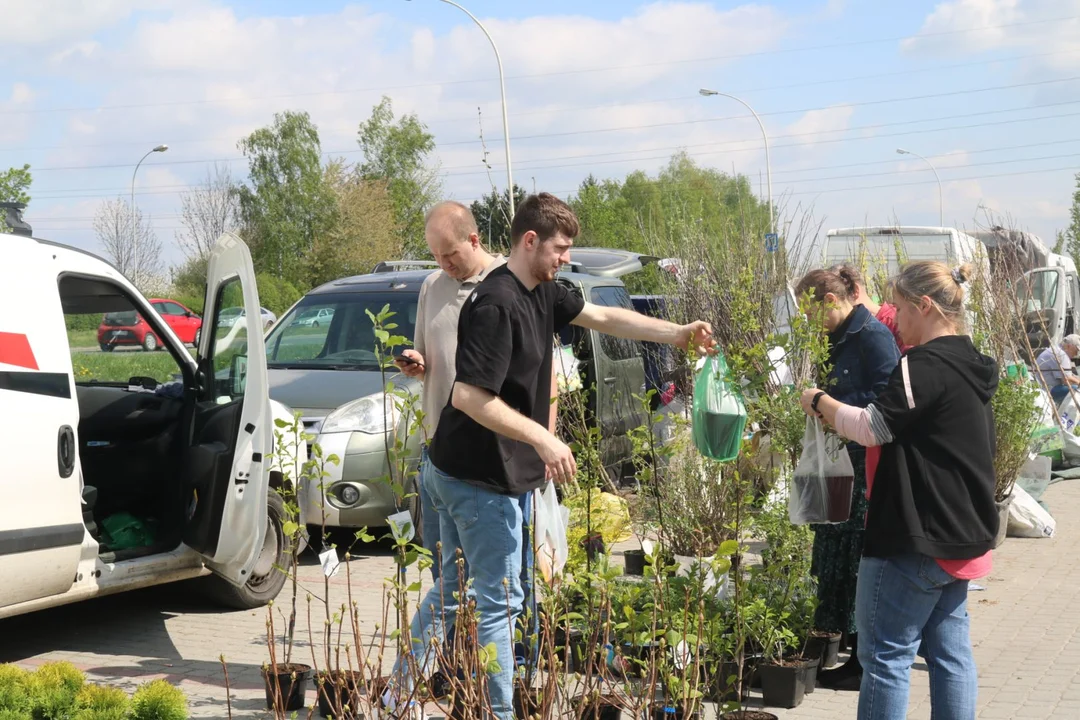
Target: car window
{"points": [[111, 349], [172, 308], [334, 330], [615, 348]]}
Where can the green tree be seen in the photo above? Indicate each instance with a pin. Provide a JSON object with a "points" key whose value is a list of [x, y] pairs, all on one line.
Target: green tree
{"points": [[397, 152], [1071, 234], [492, 214], [365, 230], [286, 205], [15, 184]]}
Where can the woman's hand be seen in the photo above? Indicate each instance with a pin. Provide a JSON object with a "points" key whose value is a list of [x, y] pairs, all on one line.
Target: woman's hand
{"points": [[807, 399]]}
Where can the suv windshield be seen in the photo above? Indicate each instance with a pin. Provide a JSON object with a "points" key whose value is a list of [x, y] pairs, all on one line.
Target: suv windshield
{"points": [[346, 340]]}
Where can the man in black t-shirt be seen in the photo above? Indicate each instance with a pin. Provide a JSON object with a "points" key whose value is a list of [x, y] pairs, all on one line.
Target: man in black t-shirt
{"points": [[493, 441]]}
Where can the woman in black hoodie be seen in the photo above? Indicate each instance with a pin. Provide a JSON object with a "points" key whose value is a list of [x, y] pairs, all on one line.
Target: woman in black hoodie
{"points": [[932, 519]]}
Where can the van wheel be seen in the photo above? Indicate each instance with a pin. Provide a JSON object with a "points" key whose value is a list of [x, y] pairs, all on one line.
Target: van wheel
{"points": [[149, 342], [266, 577]]}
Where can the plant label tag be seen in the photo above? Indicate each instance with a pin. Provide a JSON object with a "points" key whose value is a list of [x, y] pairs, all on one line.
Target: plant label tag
{"points": [[330, 563], [401, 526]]}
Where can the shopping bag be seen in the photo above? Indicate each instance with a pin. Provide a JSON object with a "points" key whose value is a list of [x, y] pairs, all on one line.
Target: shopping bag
{"points": [[549, 525], [823, 482], [719, 415]]}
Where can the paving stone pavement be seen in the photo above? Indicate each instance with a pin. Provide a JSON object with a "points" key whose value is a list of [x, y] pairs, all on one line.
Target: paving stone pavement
{"points": [[1025, 629]]}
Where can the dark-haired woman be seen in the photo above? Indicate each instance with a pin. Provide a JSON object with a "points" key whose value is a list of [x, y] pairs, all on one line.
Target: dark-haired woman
{"points": [[862, 356]]}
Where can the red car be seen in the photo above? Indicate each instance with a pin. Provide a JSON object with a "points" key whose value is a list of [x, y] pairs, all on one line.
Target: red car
{"points": [[129, 328]]}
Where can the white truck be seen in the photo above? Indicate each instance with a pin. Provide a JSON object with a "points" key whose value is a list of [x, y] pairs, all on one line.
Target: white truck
{"points": [[1049, 292], [82, 444]]}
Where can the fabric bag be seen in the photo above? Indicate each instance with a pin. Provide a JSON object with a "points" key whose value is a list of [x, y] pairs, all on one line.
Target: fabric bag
{"points": [[549, 529], [824, 479], [719, 415]]}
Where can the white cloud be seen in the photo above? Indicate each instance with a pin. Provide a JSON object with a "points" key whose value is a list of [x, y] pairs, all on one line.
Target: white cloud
{"points": [[818, 124], [39, 22], [1051, 28]]}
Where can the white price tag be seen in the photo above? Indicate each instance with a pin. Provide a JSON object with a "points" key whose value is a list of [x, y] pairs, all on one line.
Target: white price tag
{"points": [[330, 563], [401, 525]]}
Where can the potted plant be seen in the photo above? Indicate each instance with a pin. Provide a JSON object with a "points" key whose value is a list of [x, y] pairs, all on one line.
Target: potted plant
{"points": [[286, 681], [782, 681], [1015, 418], [823, 645]]}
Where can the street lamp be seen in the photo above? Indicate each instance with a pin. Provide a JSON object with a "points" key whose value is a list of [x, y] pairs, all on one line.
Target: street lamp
{"points": [[502, 90], [134, 233], [941, 202], [768, 166]]}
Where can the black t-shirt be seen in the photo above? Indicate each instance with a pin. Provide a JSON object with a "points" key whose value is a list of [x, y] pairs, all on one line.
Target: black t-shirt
{"points": [[505, 338]]}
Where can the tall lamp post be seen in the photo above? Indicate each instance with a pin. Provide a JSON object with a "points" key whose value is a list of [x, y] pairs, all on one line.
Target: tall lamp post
{"points": [[940, 200], [134, 230], [502, 90], [765, 135]]}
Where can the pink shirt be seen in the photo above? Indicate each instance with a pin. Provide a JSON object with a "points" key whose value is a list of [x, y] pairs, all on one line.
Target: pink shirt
{"points": [[886, 315], [854, 424]]}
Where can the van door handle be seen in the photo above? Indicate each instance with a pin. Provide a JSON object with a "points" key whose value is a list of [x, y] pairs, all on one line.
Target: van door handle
{"points": [[609, 381], [65, 451]]}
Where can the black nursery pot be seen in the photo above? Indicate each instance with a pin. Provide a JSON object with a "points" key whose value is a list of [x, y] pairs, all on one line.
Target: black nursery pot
{"points": [[825, 647], [725, 683], [338, 690], [810, 671], [601, 708], [635, 562], [782, 685], [292, 680]]}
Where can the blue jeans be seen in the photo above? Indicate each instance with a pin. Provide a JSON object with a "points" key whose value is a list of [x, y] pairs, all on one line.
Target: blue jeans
{"points": [[903, 602], [486, 527], [1059, 393], [430, 521]]}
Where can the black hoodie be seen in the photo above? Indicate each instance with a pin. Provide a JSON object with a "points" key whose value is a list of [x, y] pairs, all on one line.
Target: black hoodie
{"points": [[933, 491]]}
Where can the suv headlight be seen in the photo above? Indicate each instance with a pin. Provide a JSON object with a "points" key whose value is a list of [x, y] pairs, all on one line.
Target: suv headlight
{"points": [[374, 414]]}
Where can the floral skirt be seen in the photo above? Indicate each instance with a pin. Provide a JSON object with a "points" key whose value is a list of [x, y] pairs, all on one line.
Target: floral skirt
{"points": [[837, 552]]}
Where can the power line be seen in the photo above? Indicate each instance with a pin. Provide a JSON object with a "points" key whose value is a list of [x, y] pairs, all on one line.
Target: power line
{"points": [[794, 182], [578, 71], [175, 189], [649, 126]]}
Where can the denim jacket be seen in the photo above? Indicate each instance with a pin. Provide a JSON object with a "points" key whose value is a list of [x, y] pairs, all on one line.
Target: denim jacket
{"points": [[863, 354]]}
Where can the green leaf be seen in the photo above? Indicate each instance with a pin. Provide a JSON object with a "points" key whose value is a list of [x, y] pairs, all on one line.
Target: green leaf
{"points": [[415, 587], [281, 424]]}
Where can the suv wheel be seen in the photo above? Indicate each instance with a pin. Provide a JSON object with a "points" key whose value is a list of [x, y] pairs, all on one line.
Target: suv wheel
{"points": [[266, 579], [150, 342]]}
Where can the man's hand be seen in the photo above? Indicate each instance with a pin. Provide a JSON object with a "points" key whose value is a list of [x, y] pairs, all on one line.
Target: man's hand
{"points": [[558, 459], [697, 336], [413, 369]]}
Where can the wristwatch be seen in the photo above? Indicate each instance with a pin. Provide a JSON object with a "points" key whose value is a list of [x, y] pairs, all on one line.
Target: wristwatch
{"points": [[814, 402]]}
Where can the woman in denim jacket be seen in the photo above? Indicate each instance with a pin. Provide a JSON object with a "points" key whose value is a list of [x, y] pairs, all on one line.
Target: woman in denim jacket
{"points": [[862, 356]]}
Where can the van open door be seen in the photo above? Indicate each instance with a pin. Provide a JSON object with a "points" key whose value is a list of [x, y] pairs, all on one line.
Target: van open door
{"points": [[1042, 299], [228, 465]]}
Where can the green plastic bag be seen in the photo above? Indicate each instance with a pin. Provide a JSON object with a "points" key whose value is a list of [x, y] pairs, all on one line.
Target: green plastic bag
{"points": [[719, 416], [125, 532]]}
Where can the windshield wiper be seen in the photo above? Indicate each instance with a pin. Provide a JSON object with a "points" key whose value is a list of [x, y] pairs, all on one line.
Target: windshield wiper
{"points": [[318, 366]]}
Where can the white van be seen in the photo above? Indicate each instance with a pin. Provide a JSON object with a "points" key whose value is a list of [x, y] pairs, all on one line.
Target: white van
{"points": [[881, 246], [111, 480]]}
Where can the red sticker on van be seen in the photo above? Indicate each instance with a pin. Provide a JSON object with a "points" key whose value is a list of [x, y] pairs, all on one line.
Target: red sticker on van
{"points": [[15, 350]]}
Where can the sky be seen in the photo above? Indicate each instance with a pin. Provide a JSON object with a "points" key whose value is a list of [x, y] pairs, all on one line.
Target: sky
{"points": [[987, 90]]}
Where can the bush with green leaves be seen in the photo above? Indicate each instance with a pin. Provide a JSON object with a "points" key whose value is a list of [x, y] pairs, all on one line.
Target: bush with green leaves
{"points": [[158, 700]]}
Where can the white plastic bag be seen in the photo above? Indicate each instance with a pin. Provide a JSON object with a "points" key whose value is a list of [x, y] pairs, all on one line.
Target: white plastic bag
{"points": [[550, 520], [822, 486], [1027, 518]]}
